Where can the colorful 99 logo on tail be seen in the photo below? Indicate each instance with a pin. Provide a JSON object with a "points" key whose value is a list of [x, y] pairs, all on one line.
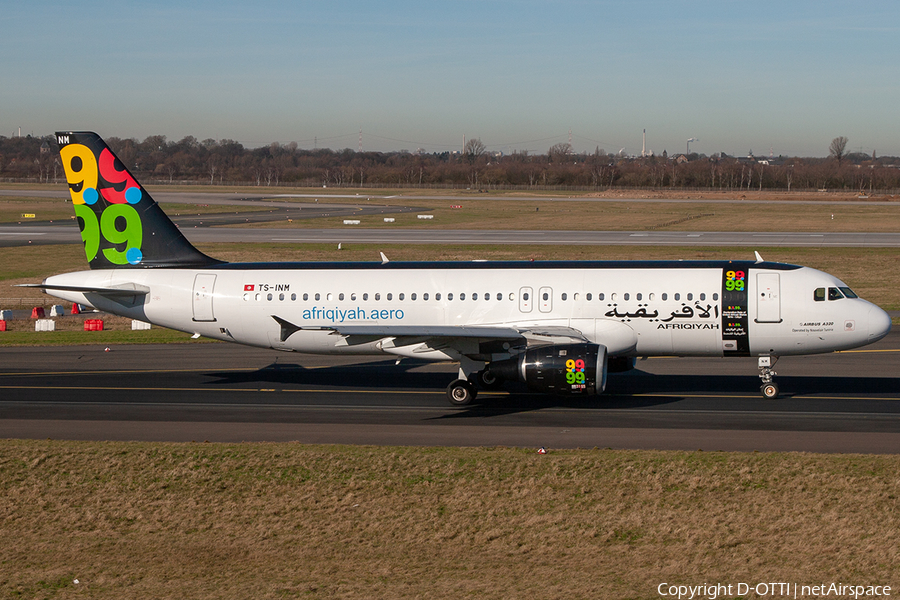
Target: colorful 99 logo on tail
{"points": [[105, 196]]}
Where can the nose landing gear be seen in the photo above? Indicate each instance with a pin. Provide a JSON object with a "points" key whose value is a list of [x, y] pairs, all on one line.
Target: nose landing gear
{"points": [[769, 388]]}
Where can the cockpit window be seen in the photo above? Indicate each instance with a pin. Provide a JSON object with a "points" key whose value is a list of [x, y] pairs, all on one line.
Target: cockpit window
{"points": [[819, 295], [834, 294], [848, 292]]}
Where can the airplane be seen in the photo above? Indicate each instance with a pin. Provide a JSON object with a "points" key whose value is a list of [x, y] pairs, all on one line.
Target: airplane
{"points": [[558, 326]]}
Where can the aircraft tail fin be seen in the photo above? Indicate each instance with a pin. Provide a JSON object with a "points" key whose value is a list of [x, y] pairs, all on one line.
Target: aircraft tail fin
{"points": [[121, 225]]}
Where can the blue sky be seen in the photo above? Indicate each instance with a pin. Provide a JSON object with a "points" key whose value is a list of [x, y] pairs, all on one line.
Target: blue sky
{"points": [[737, 75]]}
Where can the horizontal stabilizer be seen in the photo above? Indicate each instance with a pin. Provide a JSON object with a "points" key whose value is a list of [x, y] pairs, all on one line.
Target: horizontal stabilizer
{"points": [[109, 292]]}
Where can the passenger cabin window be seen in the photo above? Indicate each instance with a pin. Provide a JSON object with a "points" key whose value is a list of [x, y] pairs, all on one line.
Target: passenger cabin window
{"points": [[819, 295], [563, 296], [834, 294], [305, 296], [437, 296], [665, 296], [425, 296]]}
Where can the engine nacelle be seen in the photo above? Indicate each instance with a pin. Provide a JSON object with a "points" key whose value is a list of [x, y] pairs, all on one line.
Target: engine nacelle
{"points": [[562, 369]]}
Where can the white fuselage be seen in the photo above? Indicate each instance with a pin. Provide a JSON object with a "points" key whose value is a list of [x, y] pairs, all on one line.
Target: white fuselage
{"points": [[651, 310]]}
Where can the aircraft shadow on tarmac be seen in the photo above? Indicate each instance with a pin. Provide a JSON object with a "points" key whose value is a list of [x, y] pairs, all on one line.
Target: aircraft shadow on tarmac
{"points": [[636, 389]]}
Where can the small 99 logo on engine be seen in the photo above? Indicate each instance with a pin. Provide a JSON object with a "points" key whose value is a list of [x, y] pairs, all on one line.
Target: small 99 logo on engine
{"points": [[575, 371]]}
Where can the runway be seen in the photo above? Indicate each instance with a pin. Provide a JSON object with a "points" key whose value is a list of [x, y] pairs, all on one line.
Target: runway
{"points": [[23, 235], [207, 228], [845, 402]]}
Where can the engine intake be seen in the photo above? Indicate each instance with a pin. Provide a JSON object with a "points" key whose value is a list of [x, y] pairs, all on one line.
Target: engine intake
{"points": [[562, 369]]}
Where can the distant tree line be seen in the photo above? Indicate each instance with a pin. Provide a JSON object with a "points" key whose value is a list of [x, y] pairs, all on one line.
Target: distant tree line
{"points": [[157, 160]]}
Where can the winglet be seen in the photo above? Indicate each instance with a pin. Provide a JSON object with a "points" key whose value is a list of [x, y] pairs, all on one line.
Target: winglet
{"points": [[384, 259], [759, 258]]}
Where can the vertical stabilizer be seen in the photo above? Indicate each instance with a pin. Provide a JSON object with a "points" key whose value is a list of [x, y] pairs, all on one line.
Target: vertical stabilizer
{"points": [[121, 225]]}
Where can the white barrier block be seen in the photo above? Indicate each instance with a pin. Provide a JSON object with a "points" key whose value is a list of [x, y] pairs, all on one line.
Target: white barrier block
{"points": [[389, 219], [139, 325], [57, 310], [351, 221], [45, 325], [425, 216]]}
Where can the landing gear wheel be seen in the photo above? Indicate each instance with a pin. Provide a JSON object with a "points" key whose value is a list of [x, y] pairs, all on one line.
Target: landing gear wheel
{"points": [[769, 390], [461, 392], [488, 380]]}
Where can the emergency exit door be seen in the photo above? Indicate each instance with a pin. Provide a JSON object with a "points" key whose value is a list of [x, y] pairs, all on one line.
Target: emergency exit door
{"points": [[768, 298], [204, 283]]}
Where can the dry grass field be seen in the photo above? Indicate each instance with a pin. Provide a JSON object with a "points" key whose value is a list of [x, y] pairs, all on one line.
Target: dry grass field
{"points": [[496, 213], [12, 209], [138, 520]]}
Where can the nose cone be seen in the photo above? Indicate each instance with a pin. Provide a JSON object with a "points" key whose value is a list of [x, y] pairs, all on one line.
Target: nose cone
{"points": [[879, 324]]}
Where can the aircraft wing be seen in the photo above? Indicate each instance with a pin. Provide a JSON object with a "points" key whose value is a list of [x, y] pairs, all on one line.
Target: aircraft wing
{"points": [[466, 339], [495, 333]]}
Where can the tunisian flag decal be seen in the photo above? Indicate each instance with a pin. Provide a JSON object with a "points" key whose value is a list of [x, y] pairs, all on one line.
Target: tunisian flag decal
{"points": [[248, 287]]}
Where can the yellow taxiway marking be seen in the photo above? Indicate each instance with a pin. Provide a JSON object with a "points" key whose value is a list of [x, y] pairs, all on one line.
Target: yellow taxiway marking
{"points": [[219, 389], [126, 371], [866, 351], [422, 392]]}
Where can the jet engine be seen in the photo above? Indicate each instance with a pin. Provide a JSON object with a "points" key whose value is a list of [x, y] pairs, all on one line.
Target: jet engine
{"points": [[558, 369]]}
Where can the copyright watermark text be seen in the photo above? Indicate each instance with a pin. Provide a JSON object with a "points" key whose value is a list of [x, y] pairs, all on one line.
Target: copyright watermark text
{"points": [[712, 591]]}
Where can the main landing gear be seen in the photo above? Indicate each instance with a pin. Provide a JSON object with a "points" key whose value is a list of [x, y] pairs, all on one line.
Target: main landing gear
{"points": [[462, 391], [769, 388]]}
